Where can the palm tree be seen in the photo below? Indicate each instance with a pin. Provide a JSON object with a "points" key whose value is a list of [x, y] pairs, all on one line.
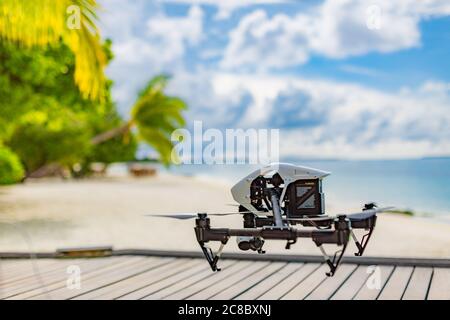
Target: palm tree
{"points": [[44, 22], [155, 115]]}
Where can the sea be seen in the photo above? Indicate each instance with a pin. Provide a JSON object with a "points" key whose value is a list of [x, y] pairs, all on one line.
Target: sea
{"points": [[420, 185]]}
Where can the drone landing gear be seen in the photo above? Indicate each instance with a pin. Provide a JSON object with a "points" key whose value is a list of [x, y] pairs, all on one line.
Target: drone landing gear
{"points": [[361, 245], [339, 236], [289, 243], [335, 262], [211, 257], [366, 221]]}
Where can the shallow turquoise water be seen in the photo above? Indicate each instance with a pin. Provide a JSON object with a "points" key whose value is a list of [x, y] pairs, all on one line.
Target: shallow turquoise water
{"points": [[420, 185]]}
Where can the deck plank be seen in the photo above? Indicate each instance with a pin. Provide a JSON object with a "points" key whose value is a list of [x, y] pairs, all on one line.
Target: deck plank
{"points": [[89, 270], [351, 286], [22, 273], [115, 276], [7, 266], [418, 285], [358, 282], [248, 282], [199, 266], [270, 282], [305, 287], [166, 268], [43, 278], [188, 277], [328, 287], [208, 281], [396, 285], [290, 282], [185, 283], [228, 282], [102, 277], [60, 266], [371, 292], [24, 269], [440, 284]]}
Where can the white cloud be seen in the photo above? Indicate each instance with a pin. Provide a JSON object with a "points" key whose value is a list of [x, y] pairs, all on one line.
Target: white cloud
{"points": [[335, 28], [325, 119], [164, 41], [177, 29], [319, 118], [226, 7], [277, 42], [215, 103], [146, 41]]}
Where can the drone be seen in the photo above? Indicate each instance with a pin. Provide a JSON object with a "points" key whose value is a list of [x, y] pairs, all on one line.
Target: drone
{"points": [[274, 199]]}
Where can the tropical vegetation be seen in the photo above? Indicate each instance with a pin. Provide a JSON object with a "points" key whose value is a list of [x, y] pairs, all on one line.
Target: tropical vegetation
{"points": [[56, 110], [49, 22]]}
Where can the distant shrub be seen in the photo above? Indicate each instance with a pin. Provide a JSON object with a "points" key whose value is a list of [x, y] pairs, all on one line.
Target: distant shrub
{"points": [[40, 138], [404, 212], [11, 170]]}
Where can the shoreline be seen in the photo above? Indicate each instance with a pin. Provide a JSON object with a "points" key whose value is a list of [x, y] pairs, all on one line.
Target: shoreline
{"points": [[110, 211], [440, 217]]}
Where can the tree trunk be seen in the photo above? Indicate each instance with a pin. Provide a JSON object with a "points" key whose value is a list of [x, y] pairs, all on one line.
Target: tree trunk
{"points": [[107, 135], [51, 169]]}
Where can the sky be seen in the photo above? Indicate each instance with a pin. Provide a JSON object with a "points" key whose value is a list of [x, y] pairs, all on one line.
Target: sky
{"points": [[341, 79]]}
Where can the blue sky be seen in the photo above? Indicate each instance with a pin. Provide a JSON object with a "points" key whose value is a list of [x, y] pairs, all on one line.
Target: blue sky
{"points": [[340, 78]]}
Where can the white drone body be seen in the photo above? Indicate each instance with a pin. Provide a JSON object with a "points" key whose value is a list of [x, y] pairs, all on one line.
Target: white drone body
{"points": [[288, 172], [274, 199]]}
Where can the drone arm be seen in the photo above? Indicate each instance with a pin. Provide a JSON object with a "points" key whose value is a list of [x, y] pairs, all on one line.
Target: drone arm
{"points": [[339, 236]]}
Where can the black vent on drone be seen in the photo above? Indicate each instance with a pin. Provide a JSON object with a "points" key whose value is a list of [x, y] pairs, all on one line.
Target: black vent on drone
{"points": [[305, 198], [277, 180]]}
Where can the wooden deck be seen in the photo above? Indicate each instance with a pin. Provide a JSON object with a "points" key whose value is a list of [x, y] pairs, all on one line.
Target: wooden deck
{"points": [[166, 275]]}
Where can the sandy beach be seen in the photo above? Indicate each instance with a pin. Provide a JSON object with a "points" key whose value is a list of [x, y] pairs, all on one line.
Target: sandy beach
{"points": [[49, 214]]}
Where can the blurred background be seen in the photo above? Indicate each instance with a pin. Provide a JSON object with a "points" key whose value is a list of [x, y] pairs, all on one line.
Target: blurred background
{"points": [[91, 91]]}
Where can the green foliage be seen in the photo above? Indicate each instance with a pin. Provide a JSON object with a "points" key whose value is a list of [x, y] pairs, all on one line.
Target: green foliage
{"points": [[45, 119], [41, 138], [11, 170], [118, 149], [157, 115], [45, 22], [43, 116]]}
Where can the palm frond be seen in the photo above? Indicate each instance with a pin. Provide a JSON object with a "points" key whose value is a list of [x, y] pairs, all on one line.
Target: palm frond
{"points": [[159, 141], [155, 85], [157, 115], [43, 22]]}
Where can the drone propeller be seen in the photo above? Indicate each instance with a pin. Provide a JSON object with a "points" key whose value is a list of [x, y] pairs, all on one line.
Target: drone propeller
{"points": [[367, 213], [180, 216], [354, 216], [232, 205], [359, 216], [187, 216]]}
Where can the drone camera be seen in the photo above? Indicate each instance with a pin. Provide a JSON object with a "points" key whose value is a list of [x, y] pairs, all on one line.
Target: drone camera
{"points": [[305, 198], [250, 243]]}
